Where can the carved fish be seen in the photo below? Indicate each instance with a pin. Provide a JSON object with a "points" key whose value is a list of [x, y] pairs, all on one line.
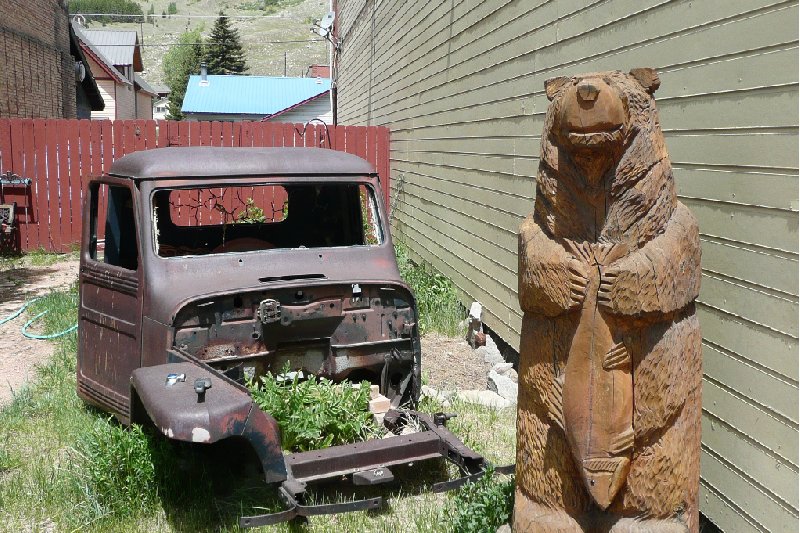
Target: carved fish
{"points": [[598, 391]]}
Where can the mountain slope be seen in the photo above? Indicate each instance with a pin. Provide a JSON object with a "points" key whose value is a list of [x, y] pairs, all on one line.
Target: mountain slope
{"points": [[264, 36]]}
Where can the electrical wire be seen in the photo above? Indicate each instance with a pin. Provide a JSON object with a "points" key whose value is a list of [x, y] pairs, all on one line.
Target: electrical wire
{"points": [[176, 15], [215, 43]]}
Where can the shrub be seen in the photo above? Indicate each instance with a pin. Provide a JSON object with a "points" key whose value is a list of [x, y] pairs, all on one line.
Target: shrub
{"points": [[315, 413], [482, 506]]}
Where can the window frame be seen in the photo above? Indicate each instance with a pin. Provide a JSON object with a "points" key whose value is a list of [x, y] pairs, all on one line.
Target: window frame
{"points": [[369, 186], [93, 211]]}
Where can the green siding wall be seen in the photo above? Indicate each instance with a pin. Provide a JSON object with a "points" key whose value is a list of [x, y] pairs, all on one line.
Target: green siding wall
{"points": [[460, 84]]}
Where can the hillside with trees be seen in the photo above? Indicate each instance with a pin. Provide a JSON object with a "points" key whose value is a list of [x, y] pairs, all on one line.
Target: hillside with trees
{"points": [[274, 34]]}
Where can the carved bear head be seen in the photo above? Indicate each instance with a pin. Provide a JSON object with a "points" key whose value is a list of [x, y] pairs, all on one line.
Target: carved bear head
{"points": [[591, 111], [604, 171]]}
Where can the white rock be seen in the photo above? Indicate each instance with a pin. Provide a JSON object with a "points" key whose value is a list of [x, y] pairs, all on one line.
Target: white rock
{"points": [[505, 528], [442, 396], [484, 397], [503, 386], [475, 311], [502, 368], [507, 370], [490, 353]]}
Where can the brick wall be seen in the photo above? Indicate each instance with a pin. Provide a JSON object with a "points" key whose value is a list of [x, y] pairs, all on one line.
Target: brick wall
{"points": [[36, 69]]}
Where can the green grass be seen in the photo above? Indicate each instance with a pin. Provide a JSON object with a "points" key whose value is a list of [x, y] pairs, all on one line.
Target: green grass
{"points": [[68, 467], [437, 300], [482, 506], [42, 257], [38, 257]]}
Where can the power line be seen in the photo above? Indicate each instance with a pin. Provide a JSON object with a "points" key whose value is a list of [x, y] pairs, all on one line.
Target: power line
{"points": [[213, 43], [154, 15]]}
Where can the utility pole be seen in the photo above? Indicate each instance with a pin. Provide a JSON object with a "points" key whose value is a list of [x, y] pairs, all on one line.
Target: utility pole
{"points": [[284, 64]]}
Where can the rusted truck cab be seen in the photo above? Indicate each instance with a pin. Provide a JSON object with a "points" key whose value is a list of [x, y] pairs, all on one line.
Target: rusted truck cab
{"points": [[203, 267]]}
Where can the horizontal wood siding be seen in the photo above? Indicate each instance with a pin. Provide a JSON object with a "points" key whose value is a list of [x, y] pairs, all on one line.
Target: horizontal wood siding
{"points": [[460, 84], [318, 108], [107, 91], [126, 102]]}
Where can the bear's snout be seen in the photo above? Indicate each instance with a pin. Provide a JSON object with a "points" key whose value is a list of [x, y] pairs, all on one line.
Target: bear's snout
{"points": [[587, 91], [593, 113]]}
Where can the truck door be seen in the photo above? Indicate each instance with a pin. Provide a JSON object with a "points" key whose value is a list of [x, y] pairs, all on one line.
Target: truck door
{"points": [[109, 324]]}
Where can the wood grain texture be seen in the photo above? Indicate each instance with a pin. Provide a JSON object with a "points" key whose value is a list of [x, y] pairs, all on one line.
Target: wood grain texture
{"points": [[610, 353]]}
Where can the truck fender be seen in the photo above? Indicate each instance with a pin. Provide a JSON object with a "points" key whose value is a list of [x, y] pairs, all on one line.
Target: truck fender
{"points": [[188, 402]]}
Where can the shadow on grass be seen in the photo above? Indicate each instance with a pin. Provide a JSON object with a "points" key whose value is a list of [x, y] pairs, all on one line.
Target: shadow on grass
{"points": [[209, 487], [14, 280]]}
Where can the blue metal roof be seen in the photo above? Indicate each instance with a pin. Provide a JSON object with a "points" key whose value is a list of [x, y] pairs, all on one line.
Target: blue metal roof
{"points": [[249, 95]]}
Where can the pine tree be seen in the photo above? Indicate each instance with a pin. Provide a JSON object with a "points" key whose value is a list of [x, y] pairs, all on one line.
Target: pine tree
{"points": [[224, 53]]}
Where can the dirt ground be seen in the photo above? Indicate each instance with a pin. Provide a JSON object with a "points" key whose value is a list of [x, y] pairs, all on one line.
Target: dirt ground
{"points": [[450, 364], [20, 282], [447, 363]]}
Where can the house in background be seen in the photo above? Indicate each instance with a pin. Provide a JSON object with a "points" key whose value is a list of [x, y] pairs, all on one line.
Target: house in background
{"points": [[115, 61], [161, 102], [87, 93], [319, 71], [271, 99]]}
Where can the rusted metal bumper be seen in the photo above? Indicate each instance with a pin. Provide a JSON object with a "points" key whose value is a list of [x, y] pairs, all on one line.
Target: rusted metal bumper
{"points": [[368, 463], [192, 403]]}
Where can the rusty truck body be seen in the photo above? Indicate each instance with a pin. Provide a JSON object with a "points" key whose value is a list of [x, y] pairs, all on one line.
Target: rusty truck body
{"points": [[203, 267]]}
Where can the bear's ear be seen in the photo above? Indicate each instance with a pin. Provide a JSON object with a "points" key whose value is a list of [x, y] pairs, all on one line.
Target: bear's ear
{"points": [[648, 78], [553, 85]]}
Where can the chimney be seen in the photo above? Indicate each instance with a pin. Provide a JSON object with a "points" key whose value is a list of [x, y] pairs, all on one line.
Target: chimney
{"points": [[203, 75]]}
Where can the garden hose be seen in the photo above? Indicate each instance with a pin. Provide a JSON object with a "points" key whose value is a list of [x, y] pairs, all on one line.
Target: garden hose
{"points": [[24, 329]]}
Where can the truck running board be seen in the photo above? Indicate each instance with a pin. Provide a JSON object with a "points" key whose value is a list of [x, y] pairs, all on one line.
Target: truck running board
{"points": [[368, 463]]}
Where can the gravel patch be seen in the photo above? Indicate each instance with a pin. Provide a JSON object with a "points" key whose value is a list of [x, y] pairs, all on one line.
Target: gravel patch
{"points": [[450, 364]]}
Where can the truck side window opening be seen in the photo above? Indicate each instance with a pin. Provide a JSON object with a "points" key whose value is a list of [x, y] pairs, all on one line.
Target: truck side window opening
{"points": [[114, 204]]}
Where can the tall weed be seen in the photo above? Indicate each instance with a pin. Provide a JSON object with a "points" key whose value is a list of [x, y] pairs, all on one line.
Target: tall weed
{"points": [[437, 300]]}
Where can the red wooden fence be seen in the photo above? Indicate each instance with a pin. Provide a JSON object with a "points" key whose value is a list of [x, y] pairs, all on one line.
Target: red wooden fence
{"points": [[60, 155]]}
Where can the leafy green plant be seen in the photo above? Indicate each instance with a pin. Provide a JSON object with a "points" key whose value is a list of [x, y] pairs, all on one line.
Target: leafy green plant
{"points": [[437, 300], [251, 214], [481, 507], [179, 63], [315, 413]]}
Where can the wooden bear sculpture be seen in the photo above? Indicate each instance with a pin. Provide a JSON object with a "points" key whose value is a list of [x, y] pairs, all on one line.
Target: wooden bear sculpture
{"points": [[608, 435]]}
